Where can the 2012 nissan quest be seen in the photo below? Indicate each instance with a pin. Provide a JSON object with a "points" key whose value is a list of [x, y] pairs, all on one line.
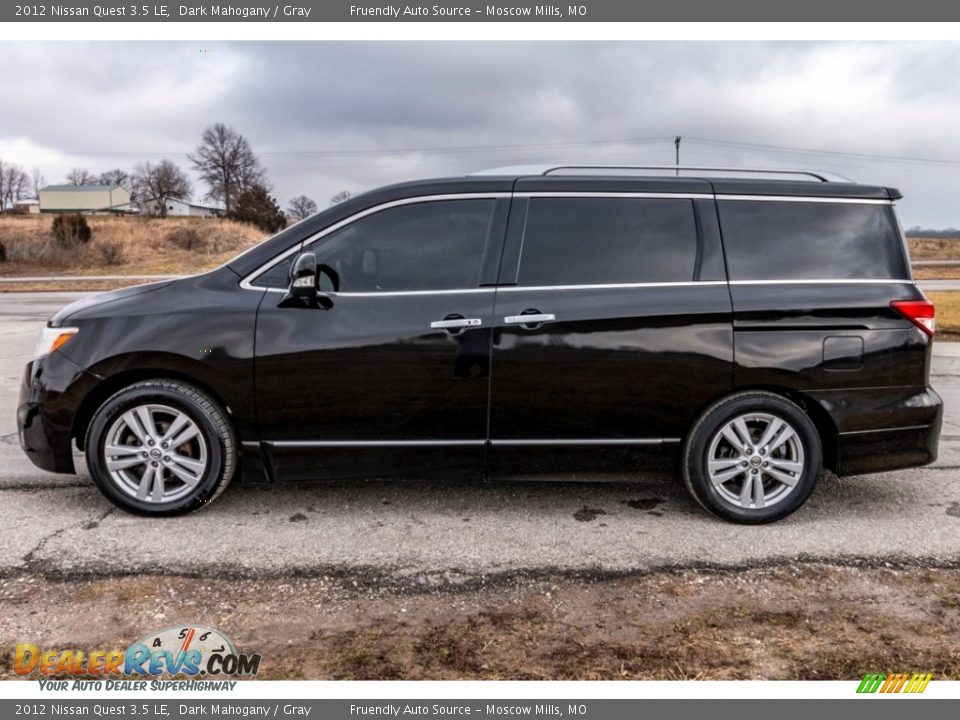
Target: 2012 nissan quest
{"points": [[556, 323]]}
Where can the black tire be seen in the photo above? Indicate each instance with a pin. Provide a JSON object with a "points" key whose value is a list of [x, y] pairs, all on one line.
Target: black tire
{"points": [[219, 448], [717, 498]]}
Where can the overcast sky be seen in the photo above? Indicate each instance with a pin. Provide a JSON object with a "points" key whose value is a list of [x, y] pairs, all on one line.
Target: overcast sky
{"points": [[326, 117]]}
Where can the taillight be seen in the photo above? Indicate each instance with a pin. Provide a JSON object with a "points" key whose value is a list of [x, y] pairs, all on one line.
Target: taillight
{"points": [[920, 312]]}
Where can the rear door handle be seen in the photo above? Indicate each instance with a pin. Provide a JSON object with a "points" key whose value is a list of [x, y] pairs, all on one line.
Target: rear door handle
{"points": [[531, 319]]}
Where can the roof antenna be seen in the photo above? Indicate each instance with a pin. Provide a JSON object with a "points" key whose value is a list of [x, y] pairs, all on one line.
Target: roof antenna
{"points": [[677, 163]]}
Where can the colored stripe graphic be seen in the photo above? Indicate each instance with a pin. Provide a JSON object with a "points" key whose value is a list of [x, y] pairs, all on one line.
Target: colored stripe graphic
{"points": [[919, 682], [871, 682], [895, 683]]}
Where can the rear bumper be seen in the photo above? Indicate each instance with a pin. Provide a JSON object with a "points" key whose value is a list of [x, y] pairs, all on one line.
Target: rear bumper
{"points": [[50, 395], [880, 449]]}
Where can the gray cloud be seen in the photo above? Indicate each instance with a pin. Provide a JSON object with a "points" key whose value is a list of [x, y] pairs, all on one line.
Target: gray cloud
{"points": [[324, 114]]}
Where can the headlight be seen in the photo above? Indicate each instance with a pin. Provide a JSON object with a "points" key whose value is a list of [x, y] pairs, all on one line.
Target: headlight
{"points": [[52, 339]]}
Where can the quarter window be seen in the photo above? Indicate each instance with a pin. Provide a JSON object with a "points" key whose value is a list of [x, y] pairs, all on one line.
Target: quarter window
{"points": [[772, 240], [585, 241]]}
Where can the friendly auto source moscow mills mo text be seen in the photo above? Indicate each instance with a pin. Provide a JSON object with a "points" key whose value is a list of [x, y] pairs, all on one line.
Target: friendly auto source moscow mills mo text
{"points": [[397, 11]]}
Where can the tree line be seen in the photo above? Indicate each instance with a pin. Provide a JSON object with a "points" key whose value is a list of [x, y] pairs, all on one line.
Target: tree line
{"points": [[224, 161], [949, 233]]}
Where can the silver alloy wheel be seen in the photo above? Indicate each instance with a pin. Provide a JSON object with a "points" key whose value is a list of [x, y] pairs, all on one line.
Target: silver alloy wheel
{"points": [[755, 460], [155, 453]]}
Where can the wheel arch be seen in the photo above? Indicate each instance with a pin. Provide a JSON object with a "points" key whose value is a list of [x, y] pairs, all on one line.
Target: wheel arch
{"points": [[157, 367], [824, 424]]}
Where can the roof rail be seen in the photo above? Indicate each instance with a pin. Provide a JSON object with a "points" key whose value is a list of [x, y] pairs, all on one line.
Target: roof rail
{"points": [[548, 169]]}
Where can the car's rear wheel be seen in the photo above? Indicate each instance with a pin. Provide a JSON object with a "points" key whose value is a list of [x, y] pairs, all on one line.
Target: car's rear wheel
{"points": [[161, 447], [752, 458]]}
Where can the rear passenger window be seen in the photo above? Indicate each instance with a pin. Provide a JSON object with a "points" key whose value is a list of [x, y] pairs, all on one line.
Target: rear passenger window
{"points": [[771, 240], [587, 241]]}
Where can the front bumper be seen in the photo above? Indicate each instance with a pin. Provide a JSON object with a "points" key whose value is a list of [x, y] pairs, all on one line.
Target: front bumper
{"points": [[50, 395]]}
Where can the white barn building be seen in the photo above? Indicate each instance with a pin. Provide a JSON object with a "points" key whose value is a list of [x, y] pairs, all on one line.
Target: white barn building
{"points": [[181, 208], [84, 199]]}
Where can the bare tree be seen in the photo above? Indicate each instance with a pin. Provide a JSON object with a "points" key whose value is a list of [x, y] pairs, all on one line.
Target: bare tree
{"points": [[157, 184], [18, 184], [227, 164], [340, 197], [14, 184], [115, 177], [301, 207], [38, 182], [81, 176]]}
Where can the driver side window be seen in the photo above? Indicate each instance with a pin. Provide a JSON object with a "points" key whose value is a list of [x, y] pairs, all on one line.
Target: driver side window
{"points": [[430, 245]]}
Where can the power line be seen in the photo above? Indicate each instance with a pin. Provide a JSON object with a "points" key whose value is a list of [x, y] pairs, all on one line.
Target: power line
{"points": [[386, 151], [825, 153], [453, 150]]}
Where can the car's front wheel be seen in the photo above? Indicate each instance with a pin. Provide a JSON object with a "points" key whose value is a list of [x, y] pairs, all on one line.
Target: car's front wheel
{"points": [[752, 458], [161, 447]]}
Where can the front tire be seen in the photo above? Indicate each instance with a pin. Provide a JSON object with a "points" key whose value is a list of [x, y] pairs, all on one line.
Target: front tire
{"points": [[161, 448], [752, 458]]}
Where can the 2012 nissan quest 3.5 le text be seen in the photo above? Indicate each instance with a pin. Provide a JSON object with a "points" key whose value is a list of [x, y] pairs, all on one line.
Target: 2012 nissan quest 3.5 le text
{"points": [[553, 322]]}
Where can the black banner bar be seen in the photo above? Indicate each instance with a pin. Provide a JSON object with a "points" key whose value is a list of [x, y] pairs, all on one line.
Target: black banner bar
{"points": [[874, 708], [485, 11]]}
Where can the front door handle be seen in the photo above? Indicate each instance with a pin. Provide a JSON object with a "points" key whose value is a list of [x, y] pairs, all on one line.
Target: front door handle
{"points": [[529, 320], [454, 324]]}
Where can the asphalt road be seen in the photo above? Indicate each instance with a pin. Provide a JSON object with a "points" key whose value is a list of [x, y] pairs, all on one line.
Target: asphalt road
{"points": [[432, 532]]}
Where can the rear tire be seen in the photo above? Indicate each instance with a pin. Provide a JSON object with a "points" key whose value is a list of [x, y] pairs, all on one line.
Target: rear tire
{"points": [[752, 458], [161, 448]]}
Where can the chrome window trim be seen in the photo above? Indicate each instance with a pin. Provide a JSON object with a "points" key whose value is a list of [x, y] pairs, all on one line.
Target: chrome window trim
{"points": [[705, 283], [615, 286], [247, 281], [610, 286], [807, 199], [827, 281], [269, 237], [398, 293], [703, 196], [609, 194]]}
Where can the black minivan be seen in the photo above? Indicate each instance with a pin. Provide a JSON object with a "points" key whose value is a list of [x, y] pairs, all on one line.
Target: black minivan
{"points": [[549, 322]]}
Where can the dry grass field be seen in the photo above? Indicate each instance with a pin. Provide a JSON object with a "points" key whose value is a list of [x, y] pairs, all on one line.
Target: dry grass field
{"points": [[122, 246], [948, 314], [935, 249]]}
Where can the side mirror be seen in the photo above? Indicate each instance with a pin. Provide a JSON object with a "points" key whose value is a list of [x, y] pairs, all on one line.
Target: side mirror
{"points": [[303, 276], [302, 290]]}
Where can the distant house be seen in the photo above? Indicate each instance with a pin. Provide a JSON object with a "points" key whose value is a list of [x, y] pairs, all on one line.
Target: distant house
{"points": [[84, 199], [181, 208], [31, 207]]}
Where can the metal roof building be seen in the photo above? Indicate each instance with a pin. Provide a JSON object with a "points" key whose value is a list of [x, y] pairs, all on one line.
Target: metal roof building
{"points": [[84, 199]]}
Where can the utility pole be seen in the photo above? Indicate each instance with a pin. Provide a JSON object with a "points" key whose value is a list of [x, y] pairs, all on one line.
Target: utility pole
{"points": [[676, 144]]}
